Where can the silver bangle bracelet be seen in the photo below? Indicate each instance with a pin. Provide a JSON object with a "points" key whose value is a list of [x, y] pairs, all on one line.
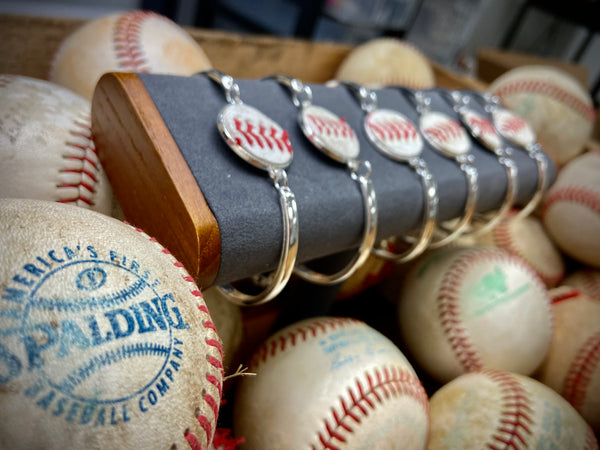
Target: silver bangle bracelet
{"points": [[393, 135], [239, 126], [484, 132], [335, 138], [448, 137], [518, 132]]}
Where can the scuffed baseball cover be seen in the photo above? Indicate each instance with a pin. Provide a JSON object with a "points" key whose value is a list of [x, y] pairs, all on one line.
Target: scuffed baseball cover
{"points": [[105, 340]]}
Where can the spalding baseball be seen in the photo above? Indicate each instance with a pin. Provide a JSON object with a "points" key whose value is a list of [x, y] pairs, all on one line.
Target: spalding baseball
{"points": [[330, 383], [571, 209], [46, 146], [527, 239], [105, 340], [586, 281], [555, 104], [495, 409], [387, 61], [572, 366], [134, 41], [227, 317], [465, 308]]}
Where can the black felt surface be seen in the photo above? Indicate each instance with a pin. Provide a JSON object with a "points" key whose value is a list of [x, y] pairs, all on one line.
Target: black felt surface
{"points": [[330, 209]]}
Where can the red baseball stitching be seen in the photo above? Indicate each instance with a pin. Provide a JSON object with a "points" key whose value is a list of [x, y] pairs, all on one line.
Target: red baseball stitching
{"points": [[393, 129], [581, 372], [591, 443], [83, 163], [551, 90], [256, 134], [448, 301], [445, 131], [572, 194], [503, 238], [300, 334], [591, 282], [126, 38], [381, 385], [574, 293], [330, 126], [5, 80], [212, 340], [515, 415]]}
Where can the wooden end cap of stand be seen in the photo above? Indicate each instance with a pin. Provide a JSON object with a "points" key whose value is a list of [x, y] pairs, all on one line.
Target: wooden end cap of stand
{"points": [[149, 176]]}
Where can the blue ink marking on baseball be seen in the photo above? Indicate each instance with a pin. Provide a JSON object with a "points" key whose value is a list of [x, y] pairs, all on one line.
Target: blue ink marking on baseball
{"points": [[82, 326], [91, 279]]}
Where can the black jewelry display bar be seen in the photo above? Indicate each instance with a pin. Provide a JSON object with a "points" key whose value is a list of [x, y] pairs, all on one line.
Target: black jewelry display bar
{"points": [[135, 117]]}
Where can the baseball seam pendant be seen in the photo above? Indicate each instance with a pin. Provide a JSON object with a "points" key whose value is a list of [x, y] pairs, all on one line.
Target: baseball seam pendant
{"points": [[334, 137], [448, 137], [397, 138], [261, 142], [485, 133], [518, 132]]}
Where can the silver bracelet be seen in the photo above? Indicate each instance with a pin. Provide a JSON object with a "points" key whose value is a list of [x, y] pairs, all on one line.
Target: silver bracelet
{"points": [[518, 132], [335, 138], [261, 142], [448, 137], [397, 138], [484, 132]]}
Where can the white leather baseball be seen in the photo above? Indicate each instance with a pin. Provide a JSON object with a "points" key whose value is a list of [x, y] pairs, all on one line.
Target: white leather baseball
{"points": [[495, 409], [133, 41], [46, 146], [387, 61], [465, 308], [586, 280], [527, 239], [554, 103], [572, 365], [105, 340], [571, 209], [330, 383]]}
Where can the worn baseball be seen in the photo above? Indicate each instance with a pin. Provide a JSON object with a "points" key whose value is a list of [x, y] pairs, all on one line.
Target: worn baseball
{"points": [[105, 340], [227, 317], [572, 365], [571, 209], [495, 409], [387, 61], [330, 383], [465, 308], [554, 103], [46, 146], [133, 41], [526, 238], [585, 280]]}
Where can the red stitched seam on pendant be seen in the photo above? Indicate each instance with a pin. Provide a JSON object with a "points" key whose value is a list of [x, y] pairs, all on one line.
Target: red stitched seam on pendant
{"points": [[445, 131], [503, 238], [126, 39], [575, 194], [515, 415], [581, 371], [282, 342], [204, 422], [551, 90], [448, 301], [381, 385]]}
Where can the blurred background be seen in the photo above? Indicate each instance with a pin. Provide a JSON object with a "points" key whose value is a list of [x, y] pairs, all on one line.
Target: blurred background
{"points": [[468, 36]]}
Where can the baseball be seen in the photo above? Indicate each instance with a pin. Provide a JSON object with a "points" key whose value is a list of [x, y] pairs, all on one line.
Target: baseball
{"points": [[466, 308], [571, 209], [133, 41], [105, 340], [330, 383], [371, 273], [500, 410], [555, 104], [227, 317], [572, 365], [585, 280], [387, 61], [527, 239], [46, 146]]}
